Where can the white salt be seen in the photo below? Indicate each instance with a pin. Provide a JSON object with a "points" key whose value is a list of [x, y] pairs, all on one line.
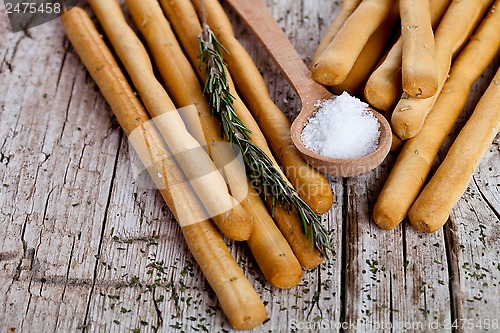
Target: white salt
{"points": [[342, 127]]}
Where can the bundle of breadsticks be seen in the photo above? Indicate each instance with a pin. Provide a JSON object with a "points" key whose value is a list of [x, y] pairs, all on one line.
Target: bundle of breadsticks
{"points": [[421, 80], [181, 151]]}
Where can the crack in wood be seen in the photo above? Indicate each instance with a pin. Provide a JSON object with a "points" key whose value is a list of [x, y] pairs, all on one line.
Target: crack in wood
{"points": [[453, 270], [63, 62], [159, 315], [149, 239], [357, 239], [68, 106], [44, 280], [65, 180], [404, 249], [486, 200], [391, 313], [82, 153], [5, 159], [17, 274], [316, 296], [6, 62], [7, 255], [86, 324], [343, 266], [14, 51], [31, 258]]}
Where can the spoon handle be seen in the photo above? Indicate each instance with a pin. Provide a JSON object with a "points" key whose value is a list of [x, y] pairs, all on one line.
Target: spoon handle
{"points": [[258, 18]]}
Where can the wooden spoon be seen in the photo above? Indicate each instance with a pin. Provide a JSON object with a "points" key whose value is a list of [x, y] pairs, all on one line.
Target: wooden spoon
{"points": [[258, 18]]}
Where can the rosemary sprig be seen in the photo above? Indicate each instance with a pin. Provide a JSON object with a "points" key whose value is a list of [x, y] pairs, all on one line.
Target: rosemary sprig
{"points": [[264, 175]]}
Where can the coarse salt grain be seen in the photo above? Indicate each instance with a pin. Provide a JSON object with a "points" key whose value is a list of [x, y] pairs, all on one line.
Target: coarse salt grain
{"points": [[342, 127]]}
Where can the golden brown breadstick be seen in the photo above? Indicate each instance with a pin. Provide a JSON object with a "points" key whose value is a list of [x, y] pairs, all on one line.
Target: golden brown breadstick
{"points": [[268, 245], [183, 17], [336, 61], [270, 249], [433, 206], [238, 299], [370, 56], [290, 225], [207, 182], [454, 29], [311, 185], [419, 67], [416, 158], [347, 8], [384, 86], [397, 143]]}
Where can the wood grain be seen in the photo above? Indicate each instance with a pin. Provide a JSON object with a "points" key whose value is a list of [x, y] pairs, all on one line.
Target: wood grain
{"points": [[84, 248]]}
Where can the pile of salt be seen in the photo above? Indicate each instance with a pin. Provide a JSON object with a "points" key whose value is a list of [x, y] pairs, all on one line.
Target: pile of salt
{"points": [[342, 128]]}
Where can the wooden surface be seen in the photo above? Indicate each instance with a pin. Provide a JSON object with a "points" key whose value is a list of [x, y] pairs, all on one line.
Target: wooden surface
{"points": [[82, 248]]}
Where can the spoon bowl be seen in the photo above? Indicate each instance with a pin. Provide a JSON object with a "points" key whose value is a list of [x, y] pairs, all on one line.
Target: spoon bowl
{"points": [[349, 167], [258, 18]]}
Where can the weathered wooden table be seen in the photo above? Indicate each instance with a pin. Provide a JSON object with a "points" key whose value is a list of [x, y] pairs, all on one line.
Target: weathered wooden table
{"points": [[83, 248]]}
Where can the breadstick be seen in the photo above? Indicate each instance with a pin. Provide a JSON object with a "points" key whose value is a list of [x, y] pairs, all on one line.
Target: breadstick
{"points": [[397, 143], [182, 15], [416, 158], [419, 68], [433, 206], [207, 182], [454, 29], [238, 299], [347, 8], [311, 185], [370, 56], [290, 225], [270, 249], [337, 59], [384, 86]]}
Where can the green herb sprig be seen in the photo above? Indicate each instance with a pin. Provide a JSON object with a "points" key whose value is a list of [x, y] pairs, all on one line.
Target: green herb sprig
{"points": [[263, 173]]}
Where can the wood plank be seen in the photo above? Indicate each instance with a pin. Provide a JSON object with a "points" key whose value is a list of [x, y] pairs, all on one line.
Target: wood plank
{"points": [[187, 302], [58, 154], [371, 272], [298, 20], [473, 236], [396, 280], [419, 291], [83, 247]]}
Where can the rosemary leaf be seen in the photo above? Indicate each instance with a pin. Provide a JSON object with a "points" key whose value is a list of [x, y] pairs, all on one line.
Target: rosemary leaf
{"points": [[264, 176]]}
